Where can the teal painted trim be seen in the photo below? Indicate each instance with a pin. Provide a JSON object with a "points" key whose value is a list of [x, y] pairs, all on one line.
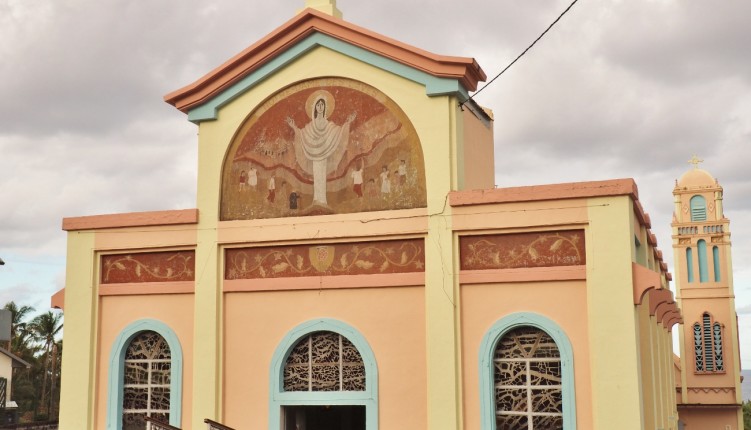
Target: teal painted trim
{"points": [[690, 264], [116, 371], [701, 247], [434, 86], [716, 263], [487, 351], [698, 208], [279, 398]]}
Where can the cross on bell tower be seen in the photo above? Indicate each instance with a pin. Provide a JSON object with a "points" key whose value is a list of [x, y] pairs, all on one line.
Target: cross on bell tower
{"points": [[695, 161]]}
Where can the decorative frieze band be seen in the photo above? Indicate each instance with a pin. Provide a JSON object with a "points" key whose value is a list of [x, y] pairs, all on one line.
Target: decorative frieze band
{"points": [[362, 258], [171, 266], [523, 250]]}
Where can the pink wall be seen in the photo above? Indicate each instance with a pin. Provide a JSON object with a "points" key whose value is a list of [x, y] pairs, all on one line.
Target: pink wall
{"points": [[392, 320], [564, 302], [117, 312]]}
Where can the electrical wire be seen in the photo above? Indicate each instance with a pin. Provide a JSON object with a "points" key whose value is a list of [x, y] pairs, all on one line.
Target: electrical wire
{"points": [[520, 55]]}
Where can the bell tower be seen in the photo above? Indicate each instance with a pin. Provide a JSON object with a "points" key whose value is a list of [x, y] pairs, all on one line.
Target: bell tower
{"points": [[710, 390]]}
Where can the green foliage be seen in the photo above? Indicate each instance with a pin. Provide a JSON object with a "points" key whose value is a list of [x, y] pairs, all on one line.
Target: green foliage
{"points": [[36, 390], [747, 415]]}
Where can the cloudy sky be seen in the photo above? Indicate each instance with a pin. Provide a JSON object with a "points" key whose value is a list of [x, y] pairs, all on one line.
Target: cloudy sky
{"points": [[619, 88]]}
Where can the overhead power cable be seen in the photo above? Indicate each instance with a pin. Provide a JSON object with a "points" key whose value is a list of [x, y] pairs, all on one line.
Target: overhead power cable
{"points": [[522, 54]]}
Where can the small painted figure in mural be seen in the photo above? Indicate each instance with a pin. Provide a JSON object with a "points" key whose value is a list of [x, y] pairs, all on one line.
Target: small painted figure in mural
{"points": [[385, 181], [372, 190], [243, 180], [293, 200], [253, 177], [283, 193], [402, 172], [357, 180], [320, 143], [272, 188]]}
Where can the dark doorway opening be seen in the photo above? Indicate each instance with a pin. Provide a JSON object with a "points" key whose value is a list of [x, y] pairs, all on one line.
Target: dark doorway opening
{"points": [[327, 417]]}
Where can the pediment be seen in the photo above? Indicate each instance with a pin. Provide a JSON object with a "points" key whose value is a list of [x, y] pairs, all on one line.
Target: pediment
{"points": [[310, 29]]}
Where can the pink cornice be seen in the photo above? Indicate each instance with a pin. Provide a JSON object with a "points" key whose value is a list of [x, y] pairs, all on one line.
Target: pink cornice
{"points": [[644, 280], [672, 318], [658, 297], [573, 190], [664, 309], [133, 219], [57, 301], [466, 70]]}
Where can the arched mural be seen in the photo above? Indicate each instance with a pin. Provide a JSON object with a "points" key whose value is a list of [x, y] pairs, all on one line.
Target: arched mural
{"points": [[323, 146]]}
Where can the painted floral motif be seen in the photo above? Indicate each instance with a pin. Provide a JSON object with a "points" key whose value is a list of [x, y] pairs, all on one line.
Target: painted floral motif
{"points": [[336, 259], [323, 146], [148, 267], [507, 251]]}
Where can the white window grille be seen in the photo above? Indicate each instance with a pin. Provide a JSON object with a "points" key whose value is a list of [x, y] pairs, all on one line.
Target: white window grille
{"points": [[527, 381], [324, 361], [147, 378]]}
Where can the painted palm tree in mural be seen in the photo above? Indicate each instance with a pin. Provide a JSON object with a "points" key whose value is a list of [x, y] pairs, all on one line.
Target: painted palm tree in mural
{"points": [[46, 328]]}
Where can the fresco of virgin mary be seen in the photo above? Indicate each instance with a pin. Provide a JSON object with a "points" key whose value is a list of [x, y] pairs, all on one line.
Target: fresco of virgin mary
{"points": [[315, 139]]}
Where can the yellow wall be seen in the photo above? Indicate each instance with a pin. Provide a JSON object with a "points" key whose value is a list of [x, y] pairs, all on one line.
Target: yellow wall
{"points": [[435, 120], [77, 384], [612, 320]]}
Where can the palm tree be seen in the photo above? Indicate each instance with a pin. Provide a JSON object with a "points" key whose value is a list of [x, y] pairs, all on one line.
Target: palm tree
{"points": [[46, 327], [19, 333]]}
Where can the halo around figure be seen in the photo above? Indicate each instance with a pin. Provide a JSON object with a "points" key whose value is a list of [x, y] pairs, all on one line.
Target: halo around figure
{"points": [[327, 97]]}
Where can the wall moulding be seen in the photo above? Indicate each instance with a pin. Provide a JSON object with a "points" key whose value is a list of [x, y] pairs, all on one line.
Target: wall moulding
{"points": [[333, 259], [142, 267], [523, 250]]}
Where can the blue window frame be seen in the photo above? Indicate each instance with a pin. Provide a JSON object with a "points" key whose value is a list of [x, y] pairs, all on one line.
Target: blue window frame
{"points": [[487, 365], [716, 261], [698, 208], [701, 248], [116, 380], [279, 398], [690, 264]]}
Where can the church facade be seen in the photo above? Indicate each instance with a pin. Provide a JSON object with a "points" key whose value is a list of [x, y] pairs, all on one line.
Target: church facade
{"points": [[350, 265]]}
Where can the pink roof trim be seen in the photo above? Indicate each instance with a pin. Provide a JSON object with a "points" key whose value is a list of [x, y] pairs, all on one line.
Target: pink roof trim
{"points": [[466, 70], [133, 219]]}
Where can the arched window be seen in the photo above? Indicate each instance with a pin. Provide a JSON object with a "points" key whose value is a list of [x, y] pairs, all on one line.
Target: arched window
{"points": [[324, 361], [324, 375], [708, 354], [145, 376], [716, 261], [690, 264], [698, 208], [526, 371], [701, 248], [147, 380]]}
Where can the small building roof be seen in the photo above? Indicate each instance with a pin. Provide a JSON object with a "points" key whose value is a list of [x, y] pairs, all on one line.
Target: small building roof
{"points": [[17, 361]]}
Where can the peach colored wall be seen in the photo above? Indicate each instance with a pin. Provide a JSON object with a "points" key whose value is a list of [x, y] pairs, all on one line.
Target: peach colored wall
{"points": [[117, 312], [709, 419], [692, 311], [478, 150], [392, 321], [484, 304]]}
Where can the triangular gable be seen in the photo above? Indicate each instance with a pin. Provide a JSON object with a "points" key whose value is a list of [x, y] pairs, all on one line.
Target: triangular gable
{"points": [[309, 29]]}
